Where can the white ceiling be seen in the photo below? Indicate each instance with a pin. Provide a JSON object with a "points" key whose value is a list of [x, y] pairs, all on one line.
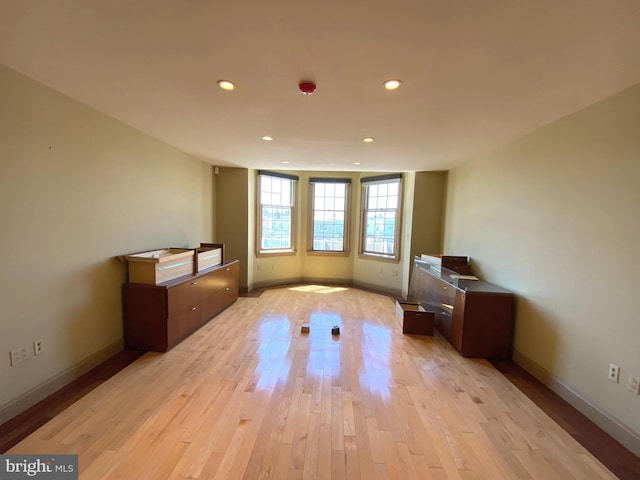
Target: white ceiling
{"points": [[476, 73]]}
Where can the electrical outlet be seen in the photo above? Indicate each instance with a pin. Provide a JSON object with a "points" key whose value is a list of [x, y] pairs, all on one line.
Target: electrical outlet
{"points": [[18, 355], [614, 372], [38, 346], [634, 384]]}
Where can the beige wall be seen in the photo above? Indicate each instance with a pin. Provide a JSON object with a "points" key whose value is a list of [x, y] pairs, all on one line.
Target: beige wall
{"points": [[554, 216], [277, 269], [78, 188], [427, 219], [334, 268], [232, 216], [382, 275], [428, 213]]}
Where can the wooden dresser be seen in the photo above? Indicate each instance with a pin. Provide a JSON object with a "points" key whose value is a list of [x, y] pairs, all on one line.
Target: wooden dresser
{"points": [[476, 317], [157, 317]]}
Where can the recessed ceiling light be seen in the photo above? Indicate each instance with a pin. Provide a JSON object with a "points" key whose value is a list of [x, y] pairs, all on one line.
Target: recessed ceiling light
{"points": [[356, 163], [367, 139], [284, 161], [226, 85], [267, 138], [392, 84]]}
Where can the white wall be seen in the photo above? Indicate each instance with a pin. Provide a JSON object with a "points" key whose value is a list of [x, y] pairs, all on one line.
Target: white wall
{"points": [[555, 217], [78, 188]]}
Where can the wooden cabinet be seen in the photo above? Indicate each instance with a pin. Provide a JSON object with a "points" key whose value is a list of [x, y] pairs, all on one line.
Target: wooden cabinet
{"points": [[157, 317], [476, 317]]}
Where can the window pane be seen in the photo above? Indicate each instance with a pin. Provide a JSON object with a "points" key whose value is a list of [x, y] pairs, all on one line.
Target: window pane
{"points": [[379, 233], [285, 192], [265, 184], [329, 204], [328, 216], [276, 191], [276, 212]]}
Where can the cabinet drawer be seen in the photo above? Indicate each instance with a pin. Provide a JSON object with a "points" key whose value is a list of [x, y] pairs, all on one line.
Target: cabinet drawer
{"points": [[184, 297], [184, 324], [229, 294], [222, 278], [220, 298]]}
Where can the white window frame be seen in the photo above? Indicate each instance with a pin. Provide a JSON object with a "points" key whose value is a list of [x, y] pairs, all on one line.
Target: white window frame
{"points": [[329, 209], [388, 209], [264, 203]]}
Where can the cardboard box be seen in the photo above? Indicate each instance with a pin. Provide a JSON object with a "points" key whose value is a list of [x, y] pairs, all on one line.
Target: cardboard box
{"points": [[415, 319]]}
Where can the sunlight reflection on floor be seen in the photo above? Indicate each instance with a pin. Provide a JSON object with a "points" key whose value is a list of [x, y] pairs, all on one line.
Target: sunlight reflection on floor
{"points": [[318, 289], [363, 347], [275, 339]]}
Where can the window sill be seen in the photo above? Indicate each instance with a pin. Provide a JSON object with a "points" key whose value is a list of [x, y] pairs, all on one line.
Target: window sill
{"points": [[275, 253], [328, 253], [379, 257]]}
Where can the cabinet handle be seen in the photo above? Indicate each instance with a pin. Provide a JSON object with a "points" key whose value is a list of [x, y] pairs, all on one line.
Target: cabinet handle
{"points": [[227, 289], [194, 308]]}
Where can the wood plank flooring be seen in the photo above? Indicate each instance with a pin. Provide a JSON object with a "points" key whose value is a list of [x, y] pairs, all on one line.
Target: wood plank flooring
{"points": [[249, 396]]}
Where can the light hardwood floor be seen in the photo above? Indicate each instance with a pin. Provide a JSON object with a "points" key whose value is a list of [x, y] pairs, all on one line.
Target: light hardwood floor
{"points": [[249, 396]]}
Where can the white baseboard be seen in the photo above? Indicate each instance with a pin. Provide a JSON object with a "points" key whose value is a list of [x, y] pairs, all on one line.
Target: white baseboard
{"points": [[18, 405], [614, 427]]}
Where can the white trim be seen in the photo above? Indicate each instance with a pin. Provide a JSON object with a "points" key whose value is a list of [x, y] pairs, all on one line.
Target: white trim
{"points": [[614, 427], [28, 399]]}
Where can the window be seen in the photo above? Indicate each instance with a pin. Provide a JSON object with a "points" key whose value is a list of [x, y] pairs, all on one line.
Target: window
{"points": [[381, 216], [329, 214], [276, 199]]}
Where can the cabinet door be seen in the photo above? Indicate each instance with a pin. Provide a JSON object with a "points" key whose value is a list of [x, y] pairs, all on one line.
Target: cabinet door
{"points": [[488, 325], [145, 317]]}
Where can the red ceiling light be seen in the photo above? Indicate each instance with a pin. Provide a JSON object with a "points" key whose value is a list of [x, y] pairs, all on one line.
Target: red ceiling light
{"points": [[307, 87]]}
